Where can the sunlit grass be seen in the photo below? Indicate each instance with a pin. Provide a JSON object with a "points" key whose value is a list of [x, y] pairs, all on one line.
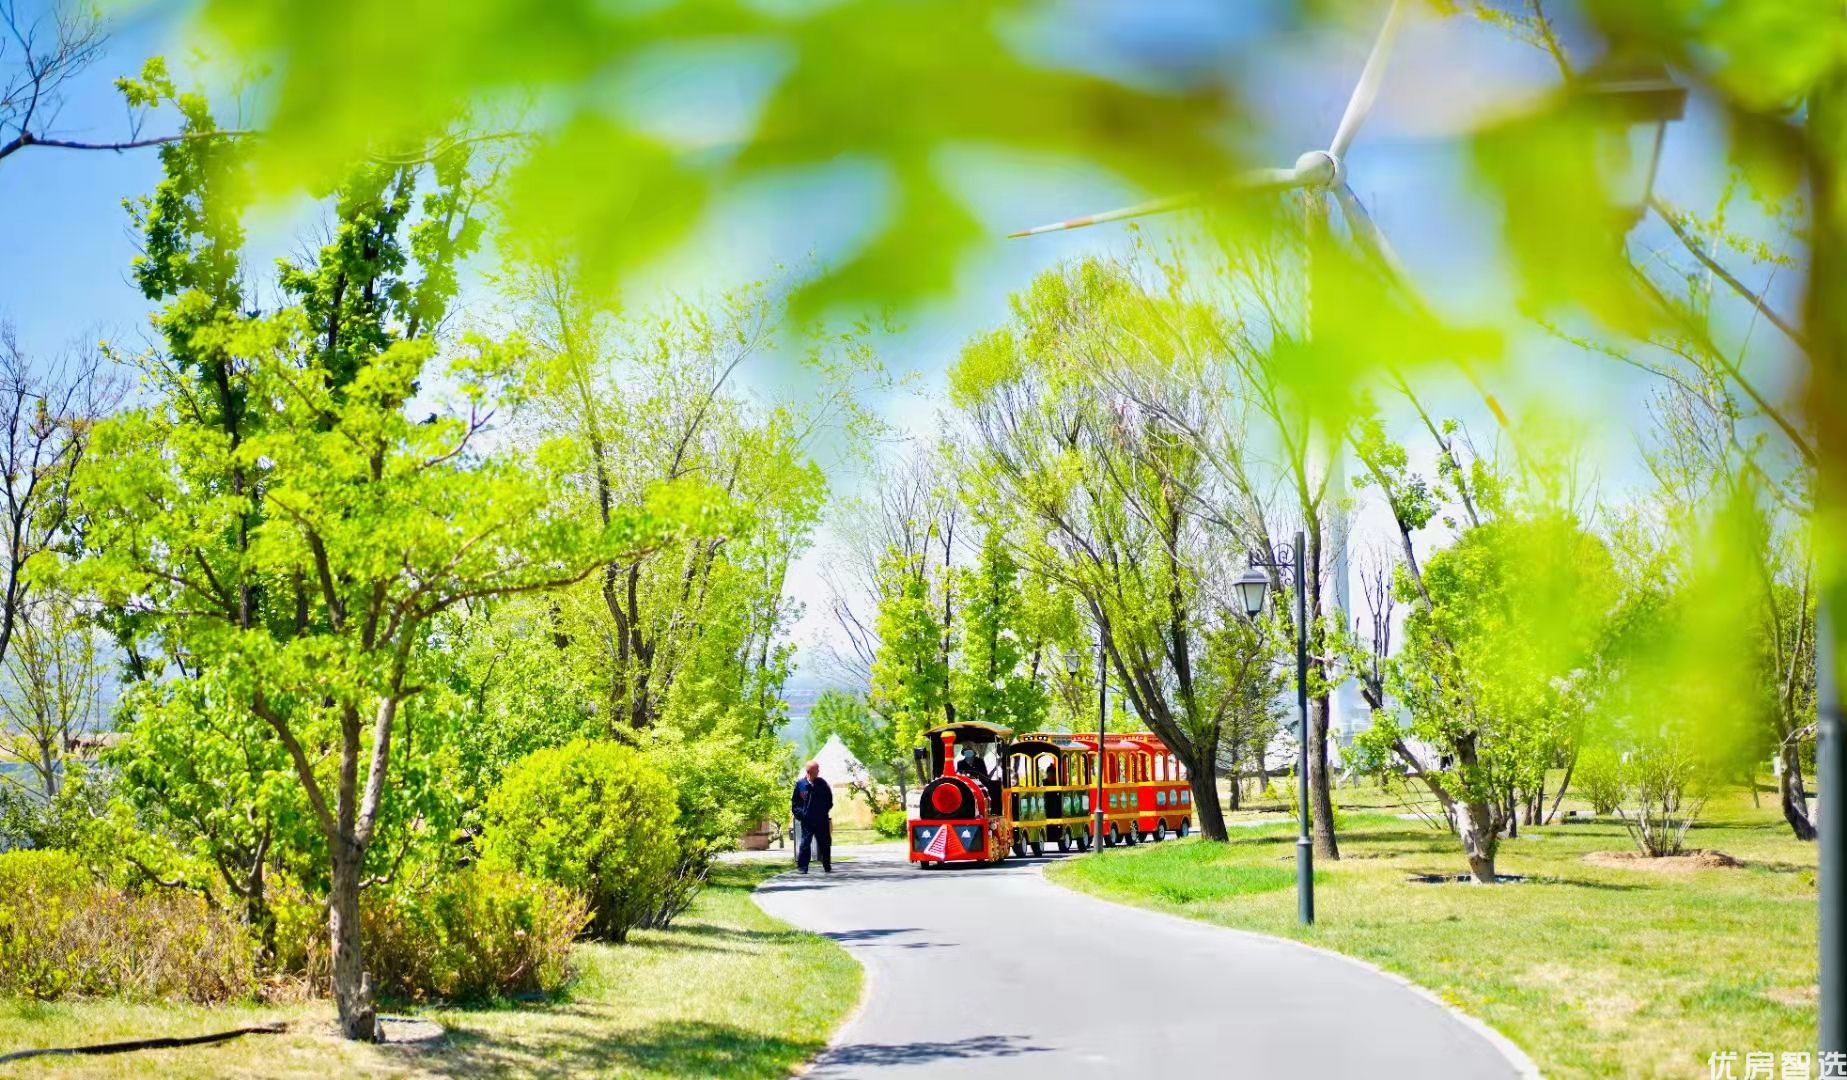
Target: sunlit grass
{"points": [[710, 997], [1594, 970]]}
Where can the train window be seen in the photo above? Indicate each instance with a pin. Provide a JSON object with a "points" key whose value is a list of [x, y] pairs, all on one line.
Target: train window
{"points": [[1160, 798]]}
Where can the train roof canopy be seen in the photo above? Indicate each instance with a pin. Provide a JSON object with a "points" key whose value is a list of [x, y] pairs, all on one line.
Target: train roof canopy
{"points": [[994, 730]]}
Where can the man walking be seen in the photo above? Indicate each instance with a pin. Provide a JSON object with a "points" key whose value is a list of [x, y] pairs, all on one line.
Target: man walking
{"points": [[811, 804]]}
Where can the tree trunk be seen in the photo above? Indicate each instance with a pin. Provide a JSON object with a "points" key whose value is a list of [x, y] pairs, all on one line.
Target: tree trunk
{"points": [[1321, 798], [352, 987], [1571, 766], [258, 917], [1203, 779], [1794, 793], [1475, 826]]}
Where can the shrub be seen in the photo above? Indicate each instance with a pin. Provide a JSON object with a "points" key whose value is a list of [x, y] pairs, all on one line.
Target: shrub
{"points": [[890, 823], [1598, 777], [596, 817], [472, 935], [65, 934], [721, 791]]}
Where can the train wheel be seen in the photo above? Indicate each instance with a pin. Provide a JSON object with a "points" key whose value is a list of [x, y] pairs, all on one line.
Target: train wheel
{"points": [[1019, 848], [1083, 842], [1160, 831], [1038, 847], [1136, 835], [1113, 837], [1185, 824], [1064, 842]]}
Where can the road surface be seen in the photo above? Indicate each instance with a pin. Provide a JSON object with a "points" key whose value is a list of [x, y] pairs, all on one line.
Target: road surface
{"points": [[995, 972]]}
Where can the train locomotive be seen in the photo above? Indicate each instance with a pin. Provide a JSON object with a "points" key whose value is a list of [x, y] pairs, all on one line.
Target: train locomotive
{"points": [[987, 793]]}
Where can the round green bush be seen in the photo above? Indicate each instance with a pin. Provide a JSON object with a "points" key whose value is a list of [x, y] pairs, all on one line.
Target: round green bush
{"points": [[597, 817], [889, 823]]}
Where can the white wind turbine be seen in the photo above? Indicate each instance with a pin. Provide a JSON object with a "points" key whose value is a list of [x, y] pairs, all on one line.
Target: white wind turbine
{"points": [[1317, 170], [1322, 171]]}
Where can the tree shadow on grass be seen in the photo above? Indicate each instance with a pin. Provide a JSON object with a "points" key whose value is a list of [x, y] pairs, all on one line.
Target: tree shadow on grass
{"points": [[1587, 883], [731, 933], [677, 1048]]}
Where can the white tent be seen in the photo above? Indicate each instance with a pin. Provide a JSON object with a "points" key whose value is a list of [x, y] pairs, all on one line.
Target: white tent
{"points": [[840, 768]]}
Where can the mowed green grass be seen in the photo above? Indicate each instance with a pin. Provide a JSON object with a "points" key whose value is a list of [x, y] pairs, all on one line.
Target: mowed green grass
{"points": [[729, 992], [1594, 970]]}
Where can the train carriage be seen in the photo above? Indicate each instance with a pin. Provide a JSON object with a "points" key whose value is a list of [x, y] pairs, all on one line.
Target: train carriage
{"points": [[986, 793]]}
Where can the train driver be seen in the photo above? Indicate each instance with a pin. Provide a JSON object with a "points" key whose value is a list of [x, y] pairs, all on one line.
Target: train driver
{"points": [[971, 765]]}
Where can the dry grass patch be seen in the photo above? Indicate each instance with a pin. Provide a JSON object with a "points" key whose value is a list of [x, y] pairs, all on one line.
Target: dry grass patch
{"points": [[1684, 863]]}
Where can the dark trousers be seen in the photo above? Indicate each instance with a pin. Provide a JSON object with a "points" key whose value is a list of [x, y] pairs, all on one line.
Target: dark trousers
{"points": [[822, 836]]}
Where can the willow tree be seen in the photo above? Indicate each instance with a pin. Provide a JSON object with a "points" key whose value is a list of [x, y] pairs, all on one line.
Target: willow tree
{"points": [[1112, 494]]}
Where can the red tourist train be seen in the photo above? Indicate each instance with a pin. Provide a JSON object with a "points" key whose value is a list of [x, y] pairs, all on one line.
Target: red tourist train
{"points": [[987, 792]]}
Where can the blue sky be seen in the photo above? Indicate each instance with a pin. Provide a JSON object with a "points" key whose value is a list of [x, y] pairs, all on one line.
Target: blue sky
{"points": [[65, 246]]}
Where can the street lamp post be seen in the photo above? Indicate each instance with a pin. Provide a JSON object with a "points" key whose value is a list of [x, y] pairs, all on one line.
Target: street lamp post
{"points": [[1096, 838], [1830, 775], [1252, 586]]}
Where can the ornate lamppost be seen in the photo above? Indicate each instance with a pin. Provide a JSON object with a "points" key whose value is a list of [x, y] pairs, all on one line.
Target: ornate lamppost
{"points": [[1252, 586]]}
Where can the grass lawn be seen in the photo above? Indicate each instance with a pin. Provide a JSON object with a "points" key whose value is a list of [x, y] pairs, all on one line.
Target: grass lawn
{"points": [[1595, 970], [714, 997]]}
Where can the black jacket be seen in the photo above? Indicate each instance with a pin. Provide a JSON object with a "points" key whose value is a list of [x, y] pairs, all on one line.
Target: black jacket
{"points": [[812, 801]]}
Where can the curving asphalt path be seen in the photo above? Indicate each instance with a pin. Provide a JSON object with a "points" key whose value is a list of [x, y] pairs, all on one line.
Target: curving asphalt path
{"points": [[994, 972]]}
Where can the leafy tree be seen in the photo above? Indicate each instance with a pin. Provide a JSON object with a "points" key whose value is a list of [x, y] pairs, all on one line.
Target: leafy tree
{"points": [[1517, 609], [273, 514], [1116, 492], [997, 680], [910, 676], [694, 634], [870, 737], [51, 687]]}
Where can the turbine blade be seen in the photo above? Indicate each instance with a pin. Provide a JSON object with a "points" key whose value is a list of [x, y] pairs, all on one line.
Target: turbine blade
{"points": [[1253, 180], [1368, 234], [1154, 206], [1367, 89]]}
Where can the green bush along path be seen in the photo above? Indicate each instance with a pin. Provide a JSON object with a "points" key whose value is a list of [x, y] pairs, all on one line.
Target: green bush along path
{"points": [[711, 997], [1593, 969]]}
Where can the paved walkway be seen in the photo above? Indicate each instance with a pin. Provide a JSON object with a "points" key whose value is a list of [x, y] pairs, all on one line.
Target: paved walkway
{"points": [[995, 972]]}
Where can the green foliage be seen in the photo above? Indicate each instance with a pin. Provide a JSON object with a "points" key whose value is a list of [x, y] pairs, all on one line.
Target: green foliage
{"points": [[996, 680], [910, 677], [699, 627], [1598, 779], [722, 789], [64, 934], [597, 817], [63, 822], [870, 737], [890, 823], [889, 87], [472, 935], [1493, 668]]}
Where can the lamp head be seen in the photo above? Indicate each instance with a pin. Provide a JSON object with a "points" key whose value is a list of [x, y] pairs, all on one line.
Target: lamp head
{"points": [[1252, 585]]}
